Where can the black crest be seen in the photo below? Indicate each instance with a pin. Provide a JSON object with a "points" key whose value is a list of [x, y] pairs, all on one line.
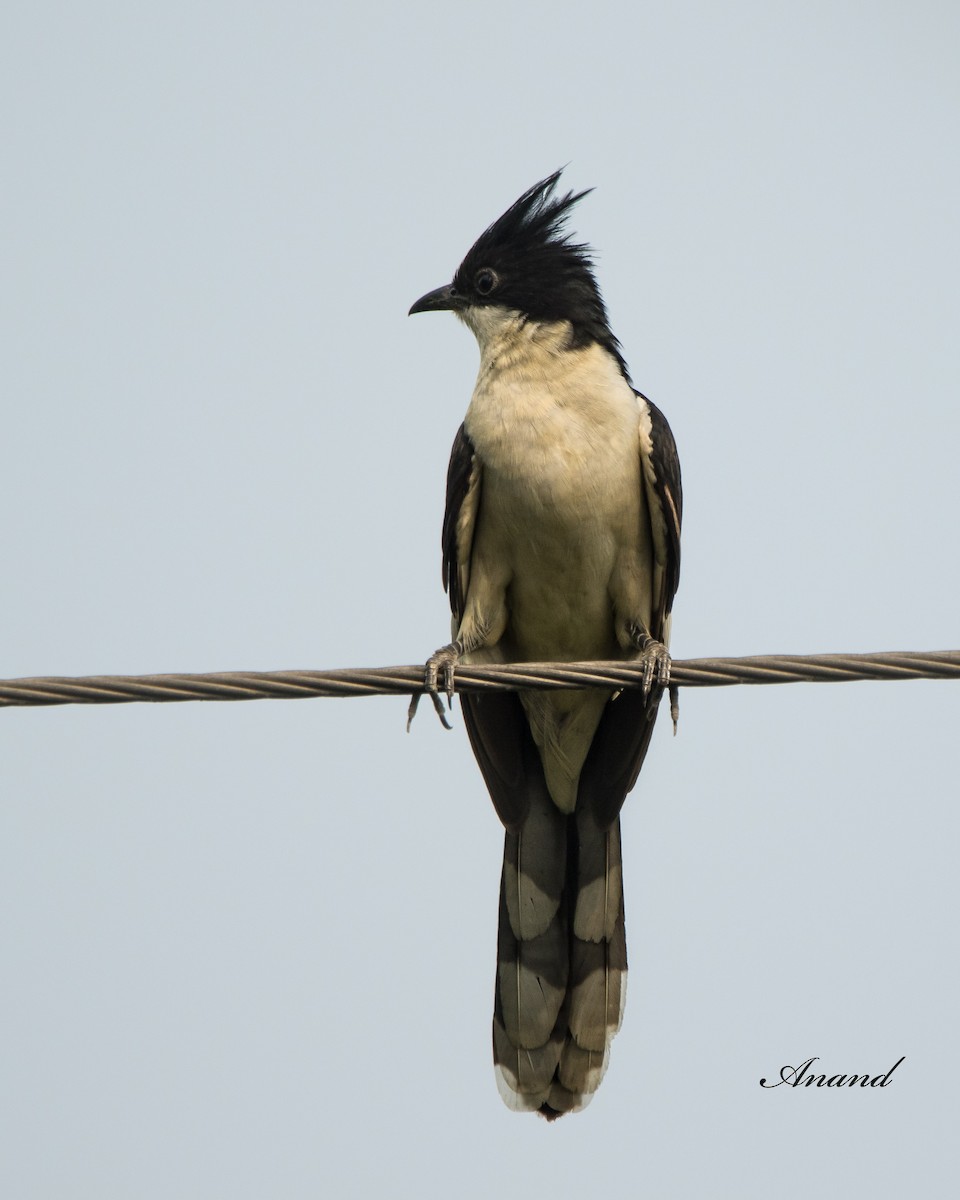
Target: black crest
{"points": [[526, 261]]}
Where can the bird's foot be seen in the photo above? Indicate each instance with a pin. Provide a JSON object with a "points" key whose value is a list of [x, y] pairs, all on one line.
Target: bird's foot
{"points": [[655, 660], [441, 664]]}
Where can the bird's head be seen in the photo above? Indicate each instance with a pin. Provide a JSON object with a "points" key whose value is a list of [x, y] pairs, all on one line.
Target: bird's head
{"points": [[524, 264]]}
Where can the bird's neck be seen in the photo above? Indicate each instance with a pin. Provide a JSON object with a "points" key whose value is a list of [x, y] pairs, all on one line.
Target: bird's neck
{"points": [[535, 397]]}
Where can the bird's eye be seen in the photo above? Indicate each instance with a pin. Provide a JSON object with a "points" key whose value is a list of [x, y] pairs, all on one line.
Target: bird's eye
{"points": [[485, 281]]}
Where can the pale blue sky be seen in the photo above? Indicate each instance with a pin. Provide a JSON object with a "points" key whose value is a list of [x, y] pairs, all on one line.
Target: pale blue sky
{"points": [[248, 950]]}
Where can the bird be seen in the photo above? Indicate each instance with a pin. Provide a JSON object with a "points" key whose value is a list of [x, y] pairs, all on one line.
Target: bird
{"points": [[560, 543]]}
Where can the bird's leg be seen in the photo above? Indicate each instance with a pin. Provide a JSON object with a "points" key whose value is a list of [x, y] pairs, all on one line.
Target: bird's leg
{"points": [[653, 657], [442, 662]]}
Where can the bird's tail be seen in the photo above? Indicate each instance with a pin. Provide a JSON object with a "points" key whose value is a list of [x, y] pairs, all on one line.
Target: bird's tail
{"points": [[561, 959]]}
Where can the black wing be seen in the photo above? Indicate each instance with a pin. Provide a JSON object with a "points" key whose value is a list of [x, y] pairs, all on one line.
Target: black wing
{"points": [[463, 476], [665, 501]]}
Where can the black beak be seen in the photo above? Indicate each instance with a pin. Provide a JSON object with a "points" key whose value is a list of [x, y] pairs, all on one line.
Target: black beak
{"points": [[442, 299]]}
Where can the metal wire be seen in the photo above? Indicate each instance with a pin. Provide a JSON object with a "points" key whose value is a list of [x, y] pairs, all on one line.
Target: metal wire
{"points": [[384, 681]]}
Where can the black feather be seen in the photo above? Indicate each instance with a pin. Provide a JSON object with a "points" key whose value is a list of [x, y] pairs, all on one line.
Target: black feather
{"points": [[459, 474]]}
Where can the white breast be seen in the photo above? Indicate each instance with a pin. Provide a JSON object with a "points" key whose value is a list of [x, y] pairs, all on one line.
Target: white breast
{"points": [[557, 432]]}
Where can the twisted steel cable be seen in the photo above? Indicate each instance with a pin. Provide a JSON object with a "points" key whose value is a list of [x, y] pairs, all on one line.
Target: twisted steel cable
{"points": [[382, 681]]}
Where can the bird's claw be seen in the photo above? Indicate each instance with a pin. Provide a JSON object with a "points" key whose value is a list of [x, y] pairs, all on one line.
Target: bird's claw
{"points": [[655, 661], [674, 706], [437, 707], [440, 665], [443, 662]]}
